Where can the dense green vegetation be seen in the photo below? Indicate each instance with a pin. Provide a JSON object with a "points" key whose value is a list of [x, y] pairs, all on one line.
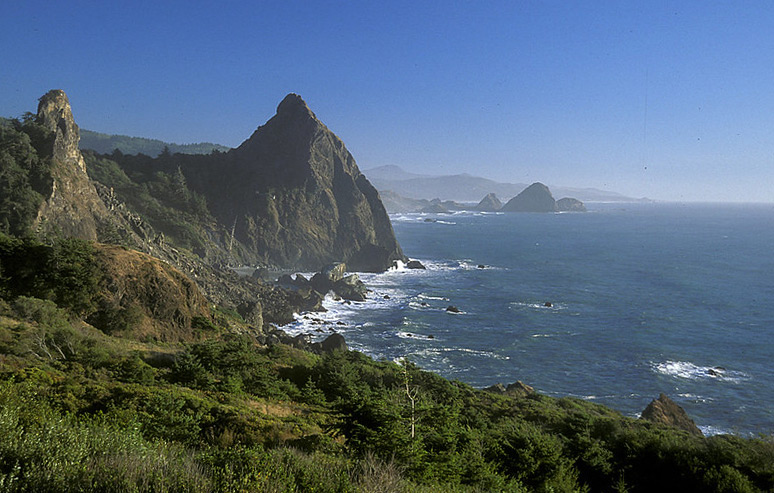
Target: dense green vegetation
{"points": [[158, 191], [25, 177], [84, 411], [106, 144]]}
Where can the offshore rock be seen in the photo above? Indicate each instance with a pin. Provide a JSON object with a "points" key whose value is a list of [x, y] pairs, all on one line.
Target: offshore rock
{"points": [[415, 264], [296, 196], [490, 203], [334, 272], [351, 288], [665, 411], [535, 198], [569, 204]]}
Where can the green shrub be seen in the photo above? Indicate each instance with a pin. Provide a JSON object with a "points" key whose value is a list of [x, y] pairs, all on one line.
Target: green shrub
{"points": [[44, 451]]}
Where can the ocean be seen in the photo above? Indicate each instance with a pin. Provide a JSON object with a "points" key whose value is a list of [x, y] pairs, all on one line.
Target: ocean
{"points": [[614, 306]]}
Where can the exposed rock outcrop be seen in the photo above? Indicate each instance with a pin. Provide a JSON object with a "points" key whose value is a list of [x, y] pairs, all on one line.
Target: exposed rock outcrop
{"points": [[665, 411], [535, 198], [518, 388], [332, 343], [568, 204], [297, 197], [335, 272], [490, 203], [73, 207]]}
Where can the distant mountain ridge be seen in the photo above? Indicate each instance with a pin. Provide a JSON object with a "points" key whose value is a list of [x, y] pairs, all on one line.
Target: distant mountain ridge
{"points": [[107, 143], [469, 188]]}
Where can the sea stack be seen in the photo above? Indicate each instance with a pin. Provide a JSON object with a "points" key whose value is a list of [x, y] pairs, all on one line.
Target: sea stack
{"points": [[297, 199], [569, 204], [490, 203], [535, 198]]}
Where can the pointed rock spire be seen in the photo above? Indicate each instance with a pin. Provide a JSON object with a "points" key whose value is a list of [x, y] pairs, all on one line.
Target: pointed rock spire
{"points": [[490, 203], [55, 114], [73, 208], [293, 104]]}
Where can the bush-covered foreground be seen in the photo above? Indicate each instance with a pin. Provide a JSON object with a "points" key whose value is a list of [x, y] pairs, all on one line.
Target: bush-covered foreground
{"points": [[107, 414], [81, 410]]}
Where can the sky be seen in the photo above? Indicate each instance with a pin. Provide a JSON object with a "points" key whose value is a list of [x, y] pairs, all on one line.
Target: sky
{"points": [[668, 100]]}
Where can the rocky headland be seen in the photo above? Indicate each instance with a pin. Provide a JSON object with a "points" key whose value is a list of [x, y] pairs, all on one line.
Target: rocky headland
{"points": [[294, 197]]}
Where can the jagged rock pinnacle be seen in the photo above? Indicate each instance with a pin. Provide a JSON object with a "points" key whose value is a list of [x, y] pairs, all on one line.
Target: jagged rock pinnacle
{"points": [[54, 113], [292, 104], [73, 207]]}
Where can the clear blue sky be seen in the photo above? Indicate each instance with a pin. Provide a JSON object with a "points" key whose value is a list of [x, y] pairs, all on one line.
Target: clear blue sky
{"points": [[670, 100]]}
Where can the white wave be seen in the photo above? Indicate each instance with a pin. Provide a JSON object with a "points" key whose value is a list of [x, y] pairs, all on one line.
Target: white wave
{"points": [[438, 351], [695, 398], [408, 217], [414, 335], [439, 221], [710, 430], [691, 371], [538, 306], [429, 297]]}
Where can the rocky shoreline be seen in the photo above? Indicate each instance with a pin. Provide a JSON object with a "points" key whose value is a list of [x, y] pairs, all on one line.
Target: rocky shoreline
{"points": [[349, 288]]}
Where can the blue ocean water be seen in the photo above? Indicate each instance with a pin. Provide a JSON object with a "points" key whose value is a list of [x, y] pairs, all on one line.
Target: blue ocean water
{"points": [[645, 298]]}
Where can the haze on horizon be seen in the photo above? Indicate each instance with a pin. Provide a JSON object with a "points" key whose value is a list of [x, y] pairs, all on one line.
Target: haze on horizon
{"points": [[671, 101]]}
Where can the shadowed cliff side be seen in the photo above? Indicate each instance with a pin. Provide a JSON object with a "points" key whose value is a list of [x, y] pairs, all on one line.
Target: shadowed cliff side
{"points": [[296, 197]]}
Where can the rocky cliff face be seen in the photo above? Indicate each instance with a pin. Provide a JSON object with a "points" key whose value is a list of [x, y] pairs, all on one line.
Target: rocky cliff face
{"points": [[296, 197], [73, 208], [535, 198]]}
